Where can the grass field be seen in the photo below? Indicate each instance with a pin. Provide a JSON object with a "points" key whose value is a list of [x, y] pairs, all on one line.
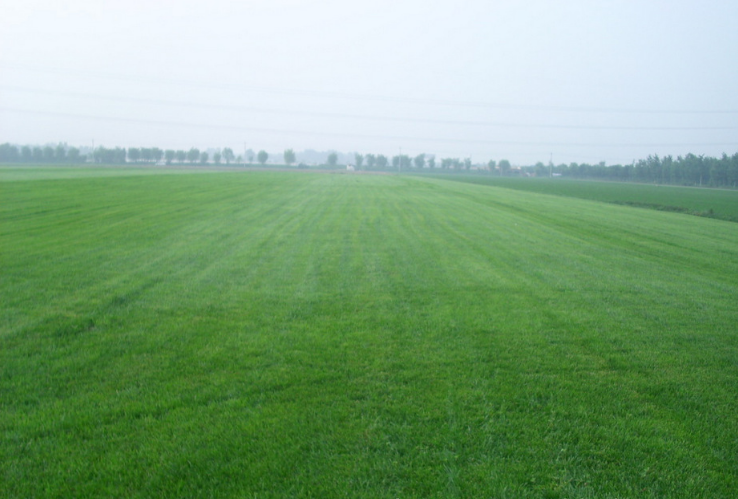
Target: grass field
{"points": [[265, 335], [714, 203], [45, 172]]}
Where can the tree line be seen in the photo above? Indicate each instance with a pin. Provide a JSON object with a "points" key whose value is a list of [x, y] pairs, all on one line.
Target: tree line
{"points": [[10, 153], [62, 154], [37, 154], [683, 170]]}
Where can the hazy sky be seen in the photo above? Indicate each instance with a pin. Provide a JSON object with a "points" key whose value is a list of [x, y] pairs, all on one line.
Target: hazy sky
{"points": [[575, 80]]}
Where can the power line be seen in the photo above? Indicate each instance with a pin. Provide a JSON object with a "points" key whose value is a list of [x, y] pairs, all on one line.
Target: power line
{"points": [[351, 135], [240, 108], [367, 97]]}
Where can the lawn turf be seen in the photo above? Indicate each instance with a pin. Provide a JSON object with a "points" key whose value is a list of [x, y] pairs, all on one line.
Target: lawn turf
{"points": [[311, 335], [702, 201]]}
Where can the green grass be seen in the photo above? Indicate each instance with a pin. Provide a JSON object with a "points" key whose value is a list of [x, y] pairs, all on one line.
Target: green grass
{"points": [[37, 172], [713, 203], [309, 335]]}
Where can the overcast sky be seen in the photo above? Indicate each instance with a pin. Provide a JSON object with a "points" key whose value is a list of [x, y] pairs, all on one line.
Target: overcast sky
{"points": [[524, 80]]}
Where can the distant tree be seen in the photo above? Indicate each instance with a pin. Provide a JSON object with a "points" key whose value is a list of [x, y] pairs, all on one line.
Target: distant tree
{"points": [[8, 153], [382, 161], [419, 161], [492, 164], [371, 161], [203, 158], [250, 154], [432, 163], [733, 171], [26, 154], [696, 168], [667, 169], [181, 156], [156, 154], [446, 163], [73, 155], [216, 158], [262, 157], [38, 154], [193, 155], [48, 154], [169, 155], [228, 155], [539, 169], [239, 159], [147, 154], [60, 153], [359, 160], [467, 163], [401, 162], [332, 159], [134, 154], [109, 156], [405, 162], [504, 167], [585, 170], [289, 156]]}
